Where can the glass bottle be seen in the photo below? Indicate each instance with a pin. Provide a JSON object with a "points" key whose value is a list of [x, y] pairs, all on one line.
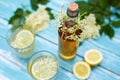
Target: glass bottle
{"points": [[68, 47]]}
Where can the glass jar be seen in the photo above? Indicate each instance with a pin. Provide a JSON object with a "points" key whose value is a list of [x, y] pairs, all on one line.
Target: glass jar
{"points": [[27, 50], [43, 66]]}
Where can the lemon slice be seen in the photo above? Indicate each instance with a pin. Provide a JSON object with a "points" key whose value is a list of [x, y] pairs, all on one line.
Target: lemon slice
{"points": [[93, 57], [81, 70], [22, 39], [44, 68]]}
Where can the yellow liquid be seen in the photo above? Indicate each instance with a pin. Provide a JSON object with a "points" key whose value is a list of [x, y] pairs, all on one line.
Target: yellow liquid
{"points": [[67, 49]]}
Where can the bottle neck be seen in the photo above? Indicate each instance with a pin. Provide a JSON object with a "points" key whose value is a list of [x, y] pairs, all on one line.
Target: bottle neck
{"points": [[72, 14]]}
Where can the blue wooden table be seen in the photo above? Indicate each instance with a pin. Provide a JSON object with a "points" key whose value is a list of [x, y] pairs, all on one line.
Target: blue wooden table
{"points": [[14, 68]]}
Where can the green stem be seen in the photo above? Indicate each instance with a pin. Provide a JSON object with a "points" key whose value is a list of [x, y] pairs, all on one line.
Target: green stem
{"points": [[83, 14]]}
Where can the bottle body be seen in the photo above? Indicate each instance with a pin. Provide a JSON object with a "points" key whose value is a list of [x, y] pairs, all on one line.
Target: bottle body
{"points": [[68, 47]]}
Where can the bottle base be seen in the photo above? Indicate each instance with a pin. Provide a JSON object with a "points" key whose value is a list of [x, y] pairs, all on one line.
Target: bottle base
{"points": [[67, 57]]}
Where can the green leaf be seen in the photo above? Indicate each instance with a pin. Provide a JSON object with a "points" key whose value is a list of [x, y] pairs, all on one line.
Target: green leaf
{"points": [[19, 11], [43, 1], [51, 15], [18, 18], [117, 15], [93, 2], [118, 5], [15, 24], [102, 3], [99, 18], [96, 10], [34, 3], [26, 13], [107, 12], [114, 3], [108, 30], [84, 7], [13, 19], [116, 24]]}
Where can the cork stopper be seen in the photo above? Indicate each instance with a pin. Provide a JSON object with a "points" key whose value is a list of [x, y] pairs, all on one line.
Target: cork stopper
{"points": [[72, 10], [73, 7]]}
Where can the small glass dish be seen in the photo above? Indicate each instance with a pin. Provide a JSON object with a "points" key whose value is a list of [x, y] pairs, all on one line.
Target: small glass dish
{"points": [[43, 66]]}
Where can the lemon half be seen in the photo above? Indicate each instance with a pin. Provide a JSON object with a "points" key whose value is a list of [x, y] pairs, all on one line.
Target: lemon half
{"points": [[93, 57], [81, 70]]}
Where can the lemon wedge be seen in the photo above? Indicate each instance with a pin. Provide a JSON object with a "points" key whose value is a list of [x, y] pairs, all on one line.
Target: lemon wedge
{"points": [[81, 70], [93, 57], [22, 39]]}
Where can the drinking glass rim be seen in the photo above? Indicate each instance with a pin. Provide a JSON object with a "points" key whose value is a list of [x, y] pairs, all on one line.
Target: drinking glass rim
{"points": [[37, 55]]}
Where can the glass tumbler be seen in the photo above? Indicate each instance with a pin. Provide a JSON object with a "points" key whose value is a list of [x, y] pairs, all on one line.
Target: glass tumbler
{"points": [[27, 50]]}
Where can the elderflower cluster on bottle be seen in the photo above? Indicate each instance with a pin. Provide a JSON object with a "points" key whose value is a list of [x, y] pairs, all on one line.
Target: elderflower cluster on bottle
{"points": [[89, 27], [38, 20]]}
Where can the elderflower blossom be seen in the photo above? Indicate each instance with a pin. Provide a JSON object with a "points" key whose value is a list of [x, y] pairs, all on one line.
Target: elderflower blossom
{"points": [[87, 26], [91, 30], [38, 20]]}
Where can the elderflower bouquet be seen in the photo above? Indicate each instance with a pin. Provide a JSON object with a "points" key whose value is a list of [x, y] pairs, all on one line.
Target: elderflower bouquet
{"points": [[38, 20], [84, 28]]}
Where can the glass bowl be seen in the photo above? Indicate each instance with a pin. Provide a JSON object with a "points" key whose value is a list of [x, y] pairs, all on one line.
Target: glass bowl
{"points": [[43, 66]]}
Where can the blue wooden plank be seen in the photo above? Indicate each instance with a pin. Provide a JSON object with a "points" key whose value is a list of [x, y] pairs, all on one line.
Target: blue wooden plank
{"points": [[62, 75], [15, 73], [98, 70], [107, 44], [7, 7]]}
